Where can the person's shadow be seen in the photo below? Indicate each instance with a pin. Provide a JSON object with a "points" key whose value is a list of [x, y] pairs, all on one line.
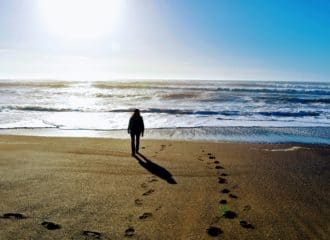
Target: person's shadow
{"points": [[155, 169]]}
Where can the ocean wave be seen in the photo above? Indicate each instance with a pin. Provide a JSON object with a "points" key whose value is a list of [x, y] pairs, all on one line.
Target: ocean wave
{"points": [[276, 90], [289, 99], [36, 84], [291, 114], [226, 113], [39, 109]]}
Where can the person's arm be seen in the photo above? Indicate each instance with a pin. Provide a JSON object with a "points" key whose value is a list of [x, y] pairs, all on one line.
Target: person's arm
{"points": [[129, 126], [142, 125]]}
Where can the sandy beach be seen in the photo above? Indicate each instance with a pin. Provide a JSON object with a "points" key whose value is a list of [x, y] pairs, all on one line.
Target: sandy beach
{"points": [[89, 188]]}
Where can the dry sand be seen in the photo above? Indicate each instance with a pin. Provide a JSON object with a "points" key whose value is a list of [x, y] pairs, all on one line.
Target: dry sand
{"points": [[88, 188]]}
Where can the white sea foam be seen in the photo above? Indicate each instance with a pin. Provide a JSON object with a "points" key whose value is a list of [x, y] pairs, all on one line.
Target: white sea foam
{"points": [[294, 148]]}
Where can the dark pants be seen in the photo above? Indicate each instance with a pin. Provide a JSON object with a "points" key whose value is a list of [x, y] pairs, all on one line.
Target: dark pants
{"points": [[135, 142]]}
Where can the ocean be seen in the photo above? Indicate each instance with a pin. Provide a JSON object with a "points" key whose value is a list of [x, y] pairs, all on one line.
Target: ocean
{"points": [[246, 111]]}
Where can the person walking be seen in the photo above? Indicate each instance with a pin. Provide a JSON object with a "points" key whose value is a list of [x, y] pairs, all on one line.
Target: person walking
{"points": [[135, 129]]}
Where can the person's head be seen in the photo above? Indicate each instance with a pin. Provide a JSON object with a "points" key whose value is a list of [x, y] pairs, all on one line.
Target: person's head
{"points": [[136, 112]]}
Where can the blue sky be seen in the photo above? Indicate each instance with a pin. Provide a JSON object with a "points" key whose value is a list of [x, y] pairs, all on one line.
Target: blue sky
{"points": [[205, 39]]}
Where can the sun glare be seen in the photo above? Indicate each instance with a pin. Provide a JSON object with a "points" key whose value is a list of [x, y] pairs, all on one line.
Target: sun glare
{"points": [[79, 19]]}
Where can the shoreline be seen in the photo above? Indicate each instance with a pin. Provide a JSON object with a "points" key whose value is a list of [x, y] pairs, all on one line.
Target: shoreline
{"points": [[259, 135], [76, 188]]}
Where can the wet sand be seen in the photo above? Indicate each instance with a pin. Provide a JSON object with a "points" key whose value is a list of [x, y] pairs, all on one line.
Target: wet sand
{"points": [[88, 188]]}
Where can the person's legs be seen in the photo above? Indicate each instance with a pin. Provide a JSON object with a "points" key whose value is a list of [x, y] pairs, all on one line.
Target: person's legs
{"points": [[133, 143], [137, 142]]}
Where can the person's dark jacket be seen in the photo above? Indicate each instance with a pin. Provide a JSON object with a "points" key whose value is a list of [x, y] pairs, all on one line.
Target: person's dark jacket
{"points": [[136, 125]]}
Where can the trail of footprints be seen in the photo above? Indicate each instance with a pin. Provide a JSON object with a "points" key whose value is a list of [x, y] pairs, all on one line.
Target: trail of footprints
{"points": [[223, 208], [49, 225], [129, 232], [147, 191], [139, 202]]}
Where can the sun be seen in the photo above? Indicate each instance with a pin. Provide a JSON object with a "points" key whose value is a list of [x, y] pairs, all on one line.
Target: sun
{"points": [[79, 19]]}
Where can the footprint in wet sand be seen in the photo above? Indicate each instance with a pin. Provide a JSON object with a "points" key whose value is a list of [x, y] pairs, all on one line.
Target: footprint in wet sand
{"points": [[145, 216], [92, 235], [148, 192], [225, 190], [233, 196], [229, 214], [129, 232], [223, 201], [144, 185], [138, 202], [214, 231], [247, 208], [152, 179], [51, 225], [222, 180], [14, 216], [244, 224]]}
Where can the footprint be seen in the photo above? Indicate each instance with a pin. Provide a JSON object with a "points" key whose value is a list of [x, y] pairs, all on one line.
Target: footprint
{"points": [[223, 201], [145, 216], [229, 214], [218, 167], [224, 174], [225, 190], [129, 232], [216, 162], [51, 225], [91, 234], [247, 208], [148, 192], [153, 179], [14, 216], [233, 196], [143, 147], [244, 224], [138, 202], [222, 180], [158, 208], [211, 157], [214, 231], [144, 185]]}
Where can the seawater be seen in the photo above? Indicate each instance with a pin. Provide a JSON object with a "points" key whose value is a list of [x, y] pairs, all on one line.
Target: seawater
{"points": [[220, 110]]}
